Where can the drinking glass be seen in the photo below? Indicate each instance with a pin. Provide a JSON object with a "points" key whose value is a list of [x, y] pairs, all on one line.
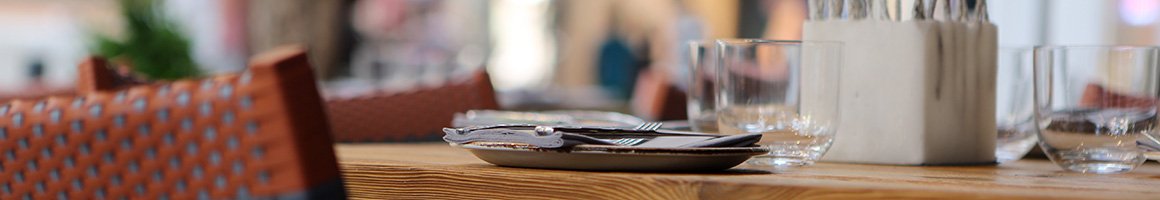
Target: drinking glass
{"points": [[1093, 103], [702, 101], [1014, 104], [785, 90]]}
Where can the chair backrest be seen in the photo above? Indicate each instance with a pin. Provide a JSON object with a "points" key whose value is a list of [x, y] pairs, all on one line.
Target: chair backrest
{"points": [[419, 115], [259, 134]]}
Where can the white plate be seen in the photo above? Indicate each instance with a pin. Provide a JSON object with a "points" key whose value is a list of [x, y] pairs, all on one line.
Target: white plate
{"points": [[612, 158]]}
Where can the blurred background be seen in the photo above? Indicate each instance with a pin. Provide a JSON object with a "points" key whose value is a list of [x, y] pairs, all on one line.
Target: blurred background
{"points": [[540, 54]]}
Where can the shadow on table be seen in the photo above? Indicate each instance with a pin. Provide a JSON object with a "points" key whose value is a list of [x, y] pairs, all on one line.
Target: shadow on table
{"points": [[733, 171]]}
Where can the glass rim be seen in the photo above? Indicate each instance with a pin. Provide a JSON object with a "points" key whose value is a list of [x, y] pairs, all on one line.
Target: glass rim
{"points": [[1107, 47], [737, 41]]}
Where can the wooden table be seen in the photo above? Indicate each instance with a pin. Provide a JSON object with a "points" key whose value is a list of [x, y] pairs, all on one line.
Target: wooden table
{"points": [[438, 171]]}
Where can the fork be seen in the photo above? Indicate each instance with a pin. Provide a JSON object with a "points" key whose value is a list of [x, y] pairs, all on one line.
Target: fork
{"points": [[628, 141], [649, 126]]}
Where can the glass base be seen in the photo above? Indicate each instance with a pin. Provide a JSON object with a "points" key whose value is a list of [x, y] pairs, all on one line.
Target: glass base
{"points": [[791, 155], [1012, 149], [1100, 160]]}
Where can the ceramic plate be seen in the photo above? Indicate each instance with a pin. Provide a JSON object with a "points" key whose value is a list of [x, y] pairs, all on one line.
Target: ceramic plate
{"points": [[612, 158], [557, 117]]}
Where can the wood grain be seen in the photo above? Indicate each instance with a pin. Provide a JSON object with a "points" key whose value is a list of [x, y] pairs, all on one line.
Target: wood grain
{"points": [[438, 171]]}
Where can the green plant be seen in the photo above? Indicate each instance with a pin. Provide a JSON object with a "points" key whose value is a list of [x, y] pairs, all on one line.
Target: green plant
{"points": [[151, 46]]}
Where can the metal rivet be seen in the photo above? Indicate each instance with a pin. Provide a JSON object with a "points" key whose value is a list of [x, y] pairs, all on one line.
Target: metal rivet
{"points": [[151, 153], [18, 119], [264, 177], [54, 116], [237, 167], [119, 121], [143, 129], [120, 96], [220, 181], [163, 115], [183, 99], [157, 176], [133, 167], [226, 91], [246, 77], [167, 138], [206, 84], [210, 133], [61, 139], [215, 158], [228, 117], [252, 127], [191, 148], [246, 102], [180, 185], [205, 108], [39, 106], [46, 153], [186, 124], [77, 126], [38, 130], [101, 135], [139, 104], [76, 183], [257, 152], [92, 170], [232, 143], [95, 110], [203, 195], [197, 172], [84, 149], [78, 102]]}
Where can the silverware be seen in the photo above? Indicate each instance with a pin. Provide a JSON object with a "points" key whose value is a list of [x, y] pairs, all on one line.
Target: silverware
{"points": [[628, 141], [834, 9], [856, 9], [649, 126], [817, 10], [919, 9], [980, 13]]}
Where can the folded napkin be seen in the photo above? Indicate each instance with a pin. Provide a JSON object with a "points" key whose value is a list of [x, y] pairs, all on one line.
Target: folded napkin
{"points": [[605, 136]]}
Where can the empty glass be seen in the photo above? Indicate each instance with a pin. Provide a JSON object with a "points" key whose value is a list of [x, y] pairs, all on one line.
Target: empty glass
{"points": [[785, 90], [702, 86], [1093, 103], [1014, 104]]}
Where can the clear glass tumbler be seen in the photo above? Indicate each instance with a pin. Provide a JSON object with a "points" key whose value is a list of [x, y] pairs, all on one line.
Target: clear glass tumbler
{"points": [[1093, 103], [702, 101], [1014, 104], [785, 90]]}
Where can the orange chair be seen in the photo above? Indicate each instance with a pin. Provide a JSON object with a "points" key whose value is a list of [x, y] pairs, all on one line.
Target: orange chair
{"points": [[418, 115], [259, 134]]}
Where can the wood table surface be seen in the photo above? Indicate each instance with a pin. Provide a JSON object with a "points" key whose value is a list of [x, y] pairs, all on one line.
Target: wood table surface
{"points": [[439, 171]]}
